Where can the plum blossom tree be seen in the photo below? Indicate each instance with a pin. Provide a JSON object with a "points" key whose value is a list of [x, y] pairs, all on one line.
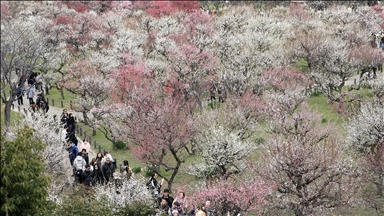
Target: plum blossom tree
{"points": [[378, 87], [306, 161], [127, 192], [164, 8], [22, 47], [80, 31], [285, 91], [158, 125], [225, 137], [248, 44], [365, 135], [180, 59], [161, 134], [330, 42], [232, 196], [88, 84]]}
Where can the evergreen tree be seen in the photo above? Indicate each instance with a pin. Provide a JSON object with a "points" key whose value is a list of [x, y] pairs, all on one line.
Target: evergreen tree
{"points": [[24, 186]]}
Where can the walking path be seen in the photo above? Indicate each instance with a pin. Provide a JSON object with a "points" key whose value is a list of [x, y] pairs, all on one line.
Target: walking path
{"points": [[51, 112]]}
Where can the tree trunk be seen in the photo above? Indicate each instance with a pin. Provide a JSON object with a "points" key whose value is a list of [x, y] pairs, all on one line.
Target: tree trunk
{"points": [[7, 111], [85, 118], [62, 93], [46, 89], [174, 173], [380, 184]]}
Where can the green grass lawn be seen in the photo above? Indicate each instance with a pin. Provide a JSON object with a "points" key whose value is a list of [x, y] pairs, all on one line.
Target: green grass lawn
{"points": [[319, 103], [56, 96]]}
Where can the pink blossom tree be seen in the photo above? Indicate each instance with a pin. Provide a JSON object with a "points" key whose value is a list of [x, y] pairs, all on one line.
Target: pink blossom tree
{"points": [[232, 196], [158, 125], [164, 8]]}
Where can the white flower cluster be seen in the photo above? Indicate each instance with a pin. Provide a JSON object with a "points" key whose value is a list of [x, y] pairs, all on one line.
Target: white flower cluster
{"points": [[124, 192]]}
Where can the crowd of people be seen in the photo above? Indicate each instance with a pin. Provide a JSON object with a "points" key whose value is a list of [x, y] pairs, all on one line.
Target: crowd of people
{"points": [[35, 83], [98, 170], [174, 206]]}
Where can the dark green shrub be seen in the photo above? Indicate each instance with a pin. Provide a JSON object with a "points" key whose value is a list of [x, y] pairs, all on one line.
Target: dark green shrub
{"points": [[120, 144], [259, 140], [148, 172], [316, 93], [214, 104], [136, 169]]}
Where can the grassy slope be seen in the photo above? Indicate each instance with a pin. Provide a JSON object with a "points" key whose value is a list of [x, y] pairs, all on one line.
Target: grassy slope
{"points": [[55, 95], [318, 103]]}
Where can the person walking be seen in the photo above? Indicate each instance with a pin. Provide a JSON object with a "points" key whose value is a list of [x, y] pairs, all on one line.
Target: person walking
{"points": [[31, 93], [20, 94]]}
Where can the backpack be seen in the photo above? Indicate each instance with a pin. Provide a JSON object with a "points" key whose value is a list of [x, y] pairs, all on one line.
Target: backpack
{"points": [[149, 186], [20, 91], [44, 105]]}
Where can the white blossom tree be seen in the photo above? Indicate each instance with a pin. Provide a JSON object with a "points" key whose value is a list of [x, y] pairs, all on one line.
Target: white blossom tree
{"points": [[122, 192], [366, 137], [247, 44], [55, 153], [226, 136], [23, 48], [335, 44]]}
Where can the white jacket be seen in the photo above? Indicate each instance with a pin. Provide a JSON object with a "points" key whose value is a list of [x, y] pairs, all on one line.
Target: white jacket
{"points": [[63, 135], [79, 163]]}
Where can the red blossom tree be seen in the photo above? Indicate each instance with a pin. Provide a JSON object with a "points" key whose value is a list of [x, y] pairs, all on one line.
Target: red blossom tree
{"points": [[157, 124], [232, 196], [164, 8]]}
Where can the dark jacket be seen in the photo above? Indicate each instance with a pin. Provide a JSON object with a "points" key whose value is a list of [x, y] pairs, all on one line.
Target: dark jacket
{"points": [[169, 199], [98, 176], [154, 186], [64, 118], [71, 121], [72, 137], [107, 170], [88, 177], [86, 158]]}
